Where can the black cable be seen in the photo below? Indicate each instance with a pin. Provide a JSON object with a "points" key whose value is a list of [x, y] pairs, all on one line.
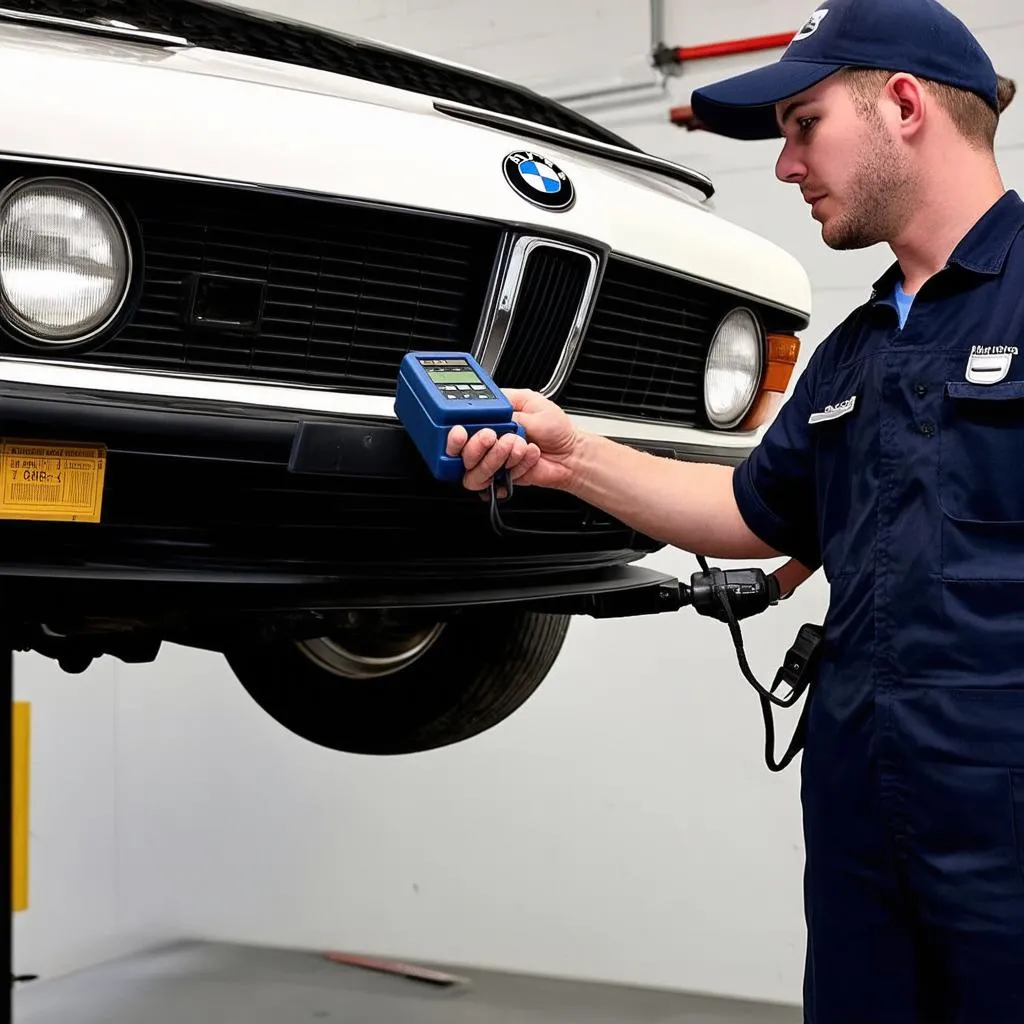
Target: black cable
{"points": [[502, 479], [766, 697], [722, 594]]}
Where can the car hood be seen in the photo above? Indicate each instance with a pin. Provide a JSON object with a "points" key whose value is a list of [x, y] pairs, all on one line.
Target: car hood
{"points": [[228, 39], [208, 114]]}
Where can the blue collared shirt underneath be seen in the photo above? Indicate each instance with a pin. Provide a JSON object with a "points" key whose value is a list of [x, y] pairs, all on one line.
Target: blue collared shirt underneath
{"points": [[903, 303]]}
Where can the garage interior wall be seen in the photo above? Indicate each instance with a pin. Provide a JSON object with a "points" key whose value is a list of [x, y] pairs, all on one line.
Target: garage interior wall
{"points": [[622, 825]]}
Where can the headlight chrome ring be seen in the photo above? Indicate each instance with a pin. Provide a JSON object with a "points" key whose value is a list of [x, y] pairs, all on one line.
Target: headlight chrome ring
{"points": [[734, 368], [66, 265]]}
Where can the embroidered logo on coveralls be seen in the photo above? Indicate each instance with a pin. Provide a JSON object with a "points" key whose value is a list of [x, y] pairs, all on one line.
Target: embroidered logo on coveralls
{"points": [[833, 412], [989, 364]]}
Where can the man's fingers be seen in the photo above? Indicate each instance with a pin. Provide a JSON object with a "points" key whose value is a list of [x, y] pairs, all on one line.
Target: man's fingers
{"points": [[518, 397], [477, 447], [529, 458], [457, 437], [495, 459], [515, 456], [495, 455], [484, 454]]}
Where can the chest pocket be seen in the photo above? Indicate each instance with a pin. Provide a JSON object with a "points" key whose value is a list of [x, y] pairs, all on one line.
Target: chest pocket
{"points": [[981, 481], [841, 431]]}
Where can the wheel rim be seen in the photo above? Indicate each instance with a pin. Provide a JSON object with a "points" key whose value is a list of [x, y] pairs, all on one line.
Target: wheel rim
{"points": [[370, 650]]}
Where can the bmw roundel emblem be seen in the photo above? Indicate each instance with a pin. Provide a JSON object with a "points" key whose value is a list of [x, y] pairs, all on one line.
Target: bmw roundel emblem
{"points": [[539, 181]]}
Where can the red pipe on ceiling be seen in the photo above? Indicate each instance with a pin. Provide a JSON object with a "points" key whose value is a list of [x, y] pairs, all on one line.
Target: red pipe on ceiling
{"points": [[682, 54], [684, 116]]}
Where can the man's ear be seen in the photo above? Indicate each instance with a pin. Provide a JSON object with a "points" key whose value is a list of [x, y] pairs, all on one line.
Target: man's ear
{"points": [[908, 100]]}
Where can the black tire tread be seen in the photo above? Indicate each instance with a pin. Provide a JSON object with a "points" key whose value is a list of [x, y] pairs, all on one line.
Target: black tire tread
{"points": [[493, 695], [425, 706]]}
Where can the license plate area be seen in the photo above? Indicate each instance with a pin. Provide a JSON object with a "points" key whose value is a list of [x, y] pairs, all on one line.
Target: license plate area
{"points": [[51, 481]]}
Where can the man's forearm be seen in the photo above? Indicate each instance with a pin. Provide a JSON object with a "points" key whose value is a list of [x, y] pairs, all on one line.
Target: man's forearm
{"points": [[686, 504]]}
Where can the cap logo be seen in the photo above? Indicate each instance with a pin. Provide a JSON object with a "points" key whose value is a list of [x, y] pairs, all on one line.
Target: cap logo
{"points": [[812, 24]]}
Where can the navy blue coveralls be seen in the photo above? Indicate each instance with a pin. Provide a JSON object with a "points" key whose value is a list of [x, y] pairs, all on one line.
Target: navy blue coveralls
{"points": [[898, 467]]}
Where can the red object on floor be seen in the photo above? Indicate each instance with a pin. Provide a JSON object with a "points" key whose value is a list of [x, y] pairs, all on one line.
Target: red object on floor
{"points": [[397, 967]]}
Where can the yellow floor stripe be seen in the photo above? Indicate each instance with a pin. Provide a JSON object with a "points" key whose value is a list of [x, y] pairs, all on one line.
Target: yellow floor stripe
{"points": [[22, 723]]}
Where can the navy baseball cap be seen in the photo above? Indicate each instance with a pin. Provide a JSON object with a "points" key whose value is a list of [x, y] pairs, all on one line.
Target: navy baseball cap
{"points": [[920, 37]]}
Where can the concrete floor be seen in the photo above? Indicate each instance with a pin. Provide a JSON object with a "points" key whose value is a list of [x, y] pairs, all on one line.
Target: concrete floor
{"points": [[203, 983]]}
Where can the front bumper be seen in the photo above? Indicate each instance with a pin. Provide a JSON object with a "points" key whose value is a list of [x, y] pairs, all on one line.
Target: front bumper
{"points": [[220, 503]]}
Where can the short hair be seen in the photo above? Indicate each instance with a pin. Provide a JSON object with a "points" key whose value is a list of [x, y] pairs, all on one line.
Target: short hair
{"points": [[970, 114]]}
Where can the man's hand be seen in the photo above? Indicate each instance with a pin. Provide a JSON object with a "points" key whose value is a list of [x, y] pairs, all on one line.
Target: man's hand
{"points": [[689, 505], [791, 575], [540, 461]]}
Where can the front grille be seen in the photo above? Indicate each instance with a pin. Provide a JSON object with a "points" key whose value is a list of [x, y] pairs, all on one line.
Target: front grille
{"points": [[257, 285], [271, 287], [553, 287], [644, 350]]}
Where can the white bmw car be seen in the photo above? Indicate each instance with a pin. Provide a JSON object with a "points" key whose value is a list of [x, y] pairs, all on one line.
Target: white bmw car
{"points": [[220, 233]]}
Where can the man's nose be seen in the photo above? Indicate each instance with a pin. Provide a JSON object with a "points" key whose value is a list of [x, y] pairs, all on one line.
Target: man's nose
{"points": [[788, 167]]}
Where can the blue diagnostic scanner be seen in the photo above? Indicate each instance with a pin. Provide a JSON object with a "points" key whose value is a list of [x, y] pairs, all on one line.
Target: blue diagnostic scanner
{"points": [[439, 390]]}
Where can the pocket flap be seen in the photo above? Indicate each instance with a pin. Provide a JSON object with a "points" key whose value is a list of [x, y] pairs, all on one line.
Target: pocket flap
{"points": [[981, 440], [1003, 391]]}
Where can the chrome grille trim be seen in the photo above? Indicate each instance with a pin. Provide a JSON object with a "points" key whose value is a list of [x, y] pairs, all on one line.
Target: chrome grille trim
{"points": [[495, 332]]}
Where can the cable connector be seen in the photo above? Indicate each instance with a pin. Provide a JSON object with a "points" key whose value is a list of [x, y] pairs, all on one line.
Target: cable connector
{"points": [[748, 591], [741, 592], [800, 665]]}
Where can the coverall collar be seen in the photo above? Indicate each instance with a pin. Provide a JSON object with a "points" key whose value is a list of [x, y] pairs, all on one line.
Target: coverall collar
{"points": [[982, 250]]}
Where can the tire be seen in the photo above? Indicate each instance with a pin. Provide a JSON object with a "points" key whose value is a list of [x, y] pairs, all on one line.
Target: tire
{"points": [[475, 671]]}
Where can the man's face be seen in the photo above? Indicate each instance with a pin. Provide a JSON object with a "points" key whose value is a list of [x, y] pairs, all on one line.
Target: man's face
{"points": [[848, 164]]}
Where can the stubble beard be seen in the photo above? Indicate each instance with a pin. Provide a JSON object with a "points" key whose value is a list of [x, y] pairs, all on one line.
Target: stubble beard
{"points": [[878, 197]]}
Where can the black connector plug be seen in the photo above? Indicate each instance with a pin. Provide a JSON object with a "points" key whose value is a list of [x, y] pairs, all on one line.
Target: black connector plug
{"points": [[730, 595], [800, 665], [748, 592]]}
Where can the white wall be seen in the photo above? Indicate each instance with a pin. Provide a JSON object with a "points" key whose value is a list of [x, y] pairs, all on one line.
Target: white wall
{"points": [[621, 826], [79, 911]]}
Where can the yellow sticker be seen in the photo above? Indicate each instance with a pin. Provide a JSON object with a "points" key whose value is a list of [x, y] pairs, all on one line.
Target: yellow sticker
{"points": [[51, 481]]}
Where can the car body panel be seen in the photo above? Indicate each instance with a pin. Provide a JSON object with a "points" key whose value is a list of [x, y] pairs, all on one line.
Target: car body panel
{"points": [[250, 129], [264, 482]]}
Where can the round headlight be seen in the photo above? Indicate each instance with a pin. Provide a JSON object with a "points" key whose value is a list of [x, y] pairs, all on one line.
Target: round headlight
{"points": [[733, 371], [65, 263]]}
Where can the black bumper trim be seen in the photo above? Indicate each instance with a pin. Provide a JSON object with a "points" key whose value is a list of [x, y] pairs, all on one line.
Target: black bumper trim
{"points": [[306, 443], [606, 592]]}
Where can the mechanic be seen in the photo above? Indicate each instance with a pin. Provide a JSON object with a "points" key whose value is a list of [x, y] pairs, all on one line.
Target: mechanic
{"points": [[895, 466]]}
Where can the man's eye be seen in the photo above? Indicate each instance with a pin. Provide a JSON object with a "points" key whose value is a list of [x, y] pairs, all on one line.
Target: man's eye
{"points": [[806, 124]]}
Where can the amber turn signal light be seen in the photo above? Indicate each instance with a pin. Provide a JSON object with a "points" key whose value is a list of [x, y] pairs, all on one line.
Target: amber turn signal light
{"points": [[783, 350]]}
